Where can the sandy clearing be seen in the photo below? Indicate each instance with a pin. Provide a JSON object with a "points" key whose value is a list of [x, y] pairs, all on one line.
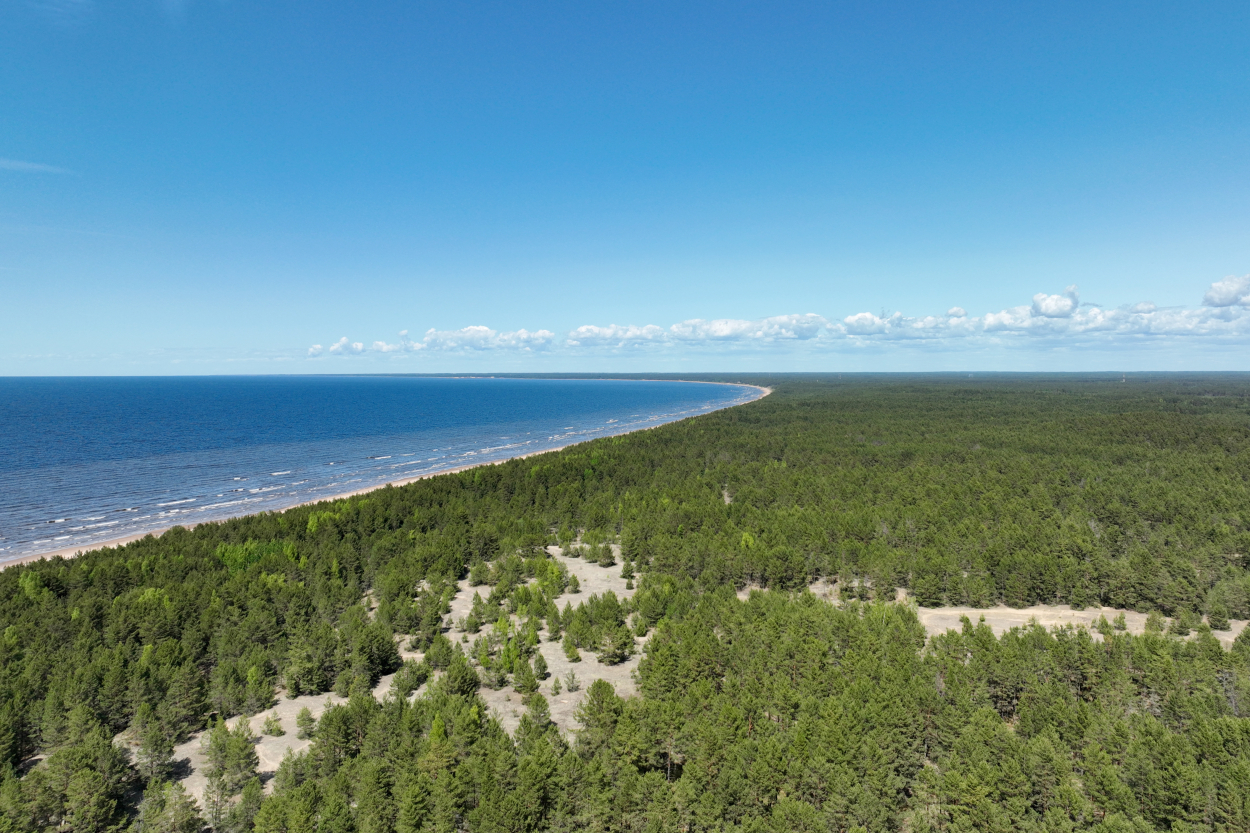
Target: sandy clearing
{"points": [[505, 704], [189, 757], [1000, 618]]}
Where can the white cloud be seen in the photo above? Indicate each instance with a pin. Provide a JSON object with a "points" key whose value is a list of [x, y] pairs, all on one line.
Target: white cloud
{"points": [[590, 335], [805, 326], [1229, 292], [464, 339], [1056, 306], [865, 323], [344, 347], [695, 331], [1052, 320], [30, 167], [478, 337], [405, 345]]}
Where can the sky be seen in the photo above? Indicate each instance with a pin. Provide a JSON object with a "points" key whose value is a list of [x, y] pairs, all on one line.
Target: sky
{"points": [[215, 186]]}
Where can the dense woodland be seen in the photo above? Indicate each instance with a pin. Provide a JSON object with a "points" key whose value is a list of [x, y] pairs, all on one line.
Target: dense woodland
{"points": [[781, 712]]}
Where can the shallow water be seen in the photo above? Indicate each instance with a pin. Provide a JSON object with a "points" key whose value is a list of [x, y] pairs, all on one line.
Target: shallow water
{"points": [[84, 460]]}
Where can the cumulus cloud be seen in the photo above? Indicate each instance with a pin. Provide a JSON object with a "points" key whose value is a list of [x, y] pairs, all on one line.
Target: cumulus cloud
{"points": [[465, 339], [865, 323], [405, 345], [1055, 319], [695, 331], [1229, 292], [590, 335], [1056, 306], [805, 326], [345, 347], [484, 338]]}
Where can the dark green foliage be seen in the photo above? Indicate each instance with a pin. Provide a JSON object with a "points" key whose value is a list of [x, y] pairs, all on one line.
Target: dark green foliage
{"points": [[778, 713], [166, 808]]}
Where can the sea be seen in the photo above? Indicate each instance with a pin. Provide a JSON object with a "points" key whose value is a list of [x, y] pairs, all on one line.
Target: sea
{"points": [[84, 461]]}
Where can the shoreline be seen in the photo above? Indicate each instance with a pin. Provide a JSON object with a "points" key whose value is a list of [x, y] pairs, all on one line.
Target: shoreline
{"points": [[71, 552]]}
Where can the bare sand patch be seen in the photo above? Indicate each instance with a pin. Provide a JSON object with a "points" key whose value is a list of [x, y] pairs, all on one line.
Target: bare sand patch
{"points": [[505, 704], [1001, 618]]}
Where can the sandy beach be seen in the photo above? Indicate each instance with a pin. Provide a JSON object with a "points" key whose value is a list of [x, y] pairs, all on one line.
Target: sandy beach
{"points": [[70, 552]]}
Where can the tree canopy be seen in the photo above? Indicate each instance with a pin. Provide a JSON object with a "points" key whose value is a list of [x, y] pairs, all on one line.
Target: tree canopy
{"points": [[780, 712]]}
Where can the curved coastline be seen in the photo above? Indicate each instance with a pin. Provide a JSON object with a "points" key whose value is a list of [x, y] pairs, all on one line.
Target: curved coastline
{"points": [[73, 551]]}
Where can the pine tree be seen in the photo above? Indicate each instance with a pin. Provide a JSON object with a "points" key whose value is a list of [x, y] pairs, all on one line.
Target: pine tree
{"points": [[523, 680], [216, 799], [241, 816], [166, 808], [414, 806], [540, 666], [305, 724], [156, 748], [570, 649], [273, 726], [538, 710], [618, 646]]}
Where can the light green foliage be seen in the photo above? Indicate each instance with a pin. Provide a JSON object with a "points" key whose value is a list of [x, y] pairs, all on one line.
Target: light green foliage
{"points": [[305, 724], [570, 649], [273, 726]]}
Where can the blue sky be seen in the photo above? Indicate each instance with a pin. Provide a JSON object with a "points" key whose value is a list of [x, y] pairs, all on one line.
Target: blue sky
{"points": [[225, 187]]}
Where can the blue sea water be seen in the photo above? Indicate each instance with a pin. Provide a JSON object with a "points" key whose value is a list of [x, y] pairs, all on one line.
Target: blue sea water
{"points": [[87, 460]]}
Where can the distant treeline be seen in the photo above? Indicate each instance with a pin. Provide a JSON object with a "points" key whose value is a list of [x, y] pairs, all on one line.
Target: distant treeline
{"points": [[781, 713]]}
